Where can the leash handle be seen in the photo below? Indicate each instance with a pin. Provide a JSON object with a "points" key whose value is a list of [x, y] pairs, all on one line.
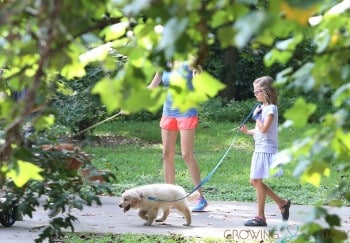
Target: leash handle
{"points": [[249, 115]]}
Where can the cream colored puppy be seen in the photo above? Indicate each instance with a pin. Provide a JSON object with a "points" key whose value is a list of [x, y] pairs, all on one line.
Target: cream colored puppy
{"points": [[150, 198]]}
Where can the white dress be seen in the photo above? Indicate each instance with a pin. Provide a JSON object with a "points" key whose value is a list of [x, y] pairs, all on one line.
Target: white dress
{"points": [[266, 146]]}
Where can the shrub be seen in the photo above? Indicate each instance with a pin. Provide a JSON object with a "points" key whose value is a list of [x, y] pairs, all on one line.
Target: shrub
{"points": [[236, 111], [217, 110], [79, 109]]}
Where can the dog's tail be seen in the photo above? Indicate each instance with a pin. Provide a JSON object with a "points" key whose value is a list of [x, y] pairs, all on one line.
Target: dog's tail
{"points": [[193, 196]]}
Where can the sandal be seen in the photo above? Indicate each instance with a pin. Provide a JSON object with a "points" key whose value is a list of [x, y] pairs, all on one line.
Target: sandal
{"points": [[285, 214], [257, 221]]}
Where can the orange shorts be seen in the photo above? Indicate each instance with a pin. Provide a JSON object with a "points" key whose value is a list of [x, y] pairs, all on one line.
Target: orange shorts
{"points": [[176, 123]]}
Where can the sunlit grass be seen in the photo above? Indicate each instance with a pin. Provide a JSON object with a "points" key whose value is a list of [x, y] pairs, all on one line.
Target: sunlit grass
{"points": [[140, 162], [132, 238]]}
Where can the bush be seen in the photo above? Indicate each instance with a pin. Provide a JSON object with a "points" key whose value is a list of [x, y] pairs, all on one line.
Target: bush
{"points": [[142, 116], [63, 182], [218, 110], [79, 109]]}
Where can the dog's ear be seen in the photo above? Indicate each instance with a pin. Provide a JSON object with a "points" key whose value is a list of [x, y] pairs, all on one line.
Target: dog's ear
{"points": [[140, 195], [134, 194]]}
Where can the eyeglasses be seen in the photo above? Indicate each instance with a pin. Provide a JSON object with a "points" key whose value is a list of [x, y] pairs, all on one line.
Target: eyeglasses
{"points": [[257, 92]]}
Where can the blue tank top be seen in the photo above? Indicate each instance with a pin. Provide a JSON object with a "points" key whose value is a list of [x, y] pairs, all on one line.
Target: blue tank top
{"points": [[168, 109]]}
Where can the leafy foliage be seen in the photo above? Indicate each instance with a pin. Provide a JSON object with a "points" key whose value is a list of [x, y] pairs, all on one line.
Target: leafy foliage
{"points": [[74, 105], [62, 184]]}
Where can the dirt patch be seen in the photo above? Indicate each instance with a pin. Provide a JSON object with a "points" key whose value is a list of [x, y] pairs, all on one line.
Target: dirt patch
{"points": [[107, 141]]}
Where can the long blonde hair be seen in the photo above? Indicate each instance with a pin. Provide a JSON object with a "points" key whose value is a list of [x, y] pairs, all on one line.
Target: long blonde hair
{"points": [[265, 85]]}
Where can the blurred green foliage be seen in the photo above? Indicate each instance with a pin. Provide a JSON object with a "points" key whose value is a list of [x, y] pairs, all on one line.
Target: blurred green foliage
{"points": [[74, 105]]}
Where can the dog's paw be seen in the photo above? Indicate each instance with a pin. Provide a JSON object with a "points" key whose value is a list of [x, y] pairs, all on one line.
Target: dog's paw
{"points": [[147, 224], [159, 220], [186, 224]]}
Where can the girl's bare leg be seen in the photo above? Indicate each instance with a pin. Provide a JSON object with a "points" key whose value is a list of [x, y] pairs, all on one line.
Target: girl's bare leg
{"points": [[261, 191], [187, 145], [169, 146], [260, 196], [279, 201]]}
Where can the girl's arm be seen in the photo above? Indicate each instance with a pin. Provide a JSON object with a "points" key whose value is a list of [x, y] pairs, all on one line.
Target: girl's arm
{"points": [[245, 130], [264, 126], [155, 81]]}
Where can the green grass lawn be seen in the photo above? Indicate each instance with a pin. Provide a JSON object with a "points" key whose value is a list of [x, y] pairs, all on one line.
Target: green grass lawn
{"points": [[132, 238], [138, 161]]}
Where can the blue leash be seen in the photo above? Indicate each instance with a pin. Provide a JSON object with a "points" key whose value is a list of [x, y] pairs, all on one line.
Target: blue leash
{"points": [[249, 115], [206, 179]]}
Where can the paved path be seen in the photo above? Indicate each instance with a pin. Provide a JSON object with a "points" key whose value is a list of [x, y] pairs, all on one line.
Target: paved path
{"points": [[222, 220]]}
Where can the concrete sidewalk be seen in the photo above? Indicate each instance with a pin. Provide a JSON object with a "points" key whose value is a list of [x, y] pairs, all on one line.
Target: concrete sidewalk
{"points": [[222, 220]]}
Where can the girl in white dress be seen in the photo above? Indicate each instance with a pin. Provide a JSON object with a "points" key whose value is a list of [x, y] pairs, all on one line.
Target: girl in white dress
{"points": [[265, 135]]}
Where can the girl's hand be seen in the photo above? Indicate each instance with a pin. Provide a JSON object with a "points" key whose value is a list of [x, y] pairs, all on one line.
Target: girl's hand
{"points": [[244, 129]]}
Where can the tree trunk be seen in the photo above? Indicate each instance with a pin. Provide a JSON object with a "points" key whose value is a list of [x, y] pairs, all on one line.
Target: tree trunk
{"points": [[229, 73]]}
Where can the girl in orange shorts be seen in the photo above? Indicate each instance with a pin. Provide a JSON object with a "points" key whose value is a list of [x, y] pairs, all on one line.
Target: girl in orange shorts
{"points": [[173, 122]]}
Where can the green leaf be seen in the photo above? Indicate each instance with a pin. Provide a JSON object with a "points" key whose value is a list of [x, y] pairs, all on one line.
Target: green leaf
{"points": [[158, 96], [137, 57], [110, 93], [277, 56], [282, 76], [135, 7], [119, 43], [172, 31], [337, 119], [206, 83], [205, 87], [300, 112], [247, 27], [333, 220], [96, 54], [133, 104], [266, 39], [341, 143], [303, 79], [341, 95], [311, 178], [314, 173], [114, 31], [220, 18], [248, 2], [283, 52], [289, 44], [226, 35], [322, 40], [313, 227], [26, 171], [44, 122], [74, 70]]}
